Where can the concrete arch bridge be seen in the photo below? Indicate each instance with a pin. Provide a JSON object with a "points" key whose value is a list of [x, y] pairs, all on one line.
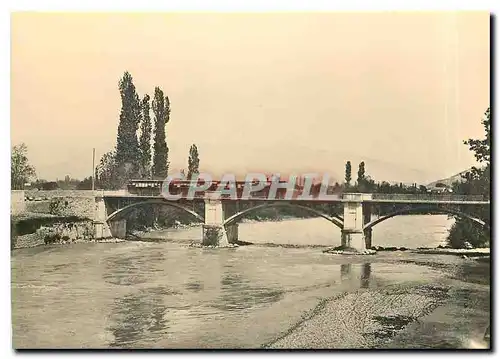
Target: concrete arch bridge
{"points": [[351, 212]]}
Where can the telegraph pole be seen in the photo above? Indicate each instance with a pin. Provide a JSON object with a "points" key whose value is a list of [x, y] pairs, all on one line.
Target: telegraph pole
{"points": [[93, 169]]}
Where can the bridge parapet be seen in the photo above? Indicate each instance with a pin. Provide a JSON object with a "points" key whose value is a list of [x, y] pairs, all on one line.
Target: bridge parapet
{"points": [[48, 194], [356, 197], [428, 197], [115, 193]]}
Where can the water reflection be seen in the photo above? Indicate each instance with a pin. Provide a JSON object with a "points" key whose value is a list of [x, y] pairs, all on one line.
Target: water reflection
{"points": [[237, 293], [345, 271], [366, 271], [349, 272], [131, 270], [139, 316]]}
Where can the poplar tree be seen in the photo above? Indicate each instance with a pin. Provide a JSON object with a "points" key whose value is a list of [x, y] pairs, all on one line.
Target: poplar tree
{"points": [[193, 161], [127, 145], [361, 173], [161, 112], [348, 173], [145, 139]]}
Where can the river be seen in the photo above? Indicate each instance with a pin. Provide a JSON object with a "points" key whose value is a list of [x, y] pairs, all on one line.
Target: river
{"points": [[162, 293]]}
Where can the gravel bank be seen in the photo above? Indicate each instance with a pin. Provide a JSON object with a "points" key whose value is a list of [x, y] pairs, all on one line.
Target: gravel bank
{"points": [[405, 315]]}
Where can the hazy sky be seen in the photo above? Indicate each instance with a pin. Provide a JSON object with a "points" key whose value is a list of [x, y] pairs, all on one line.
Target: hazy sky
{"points": [[258, 92]]}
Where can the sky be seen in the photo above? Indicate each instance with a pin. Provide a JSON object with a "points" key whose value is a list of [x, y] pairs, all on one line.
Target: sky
{"points": [[275, 92]]}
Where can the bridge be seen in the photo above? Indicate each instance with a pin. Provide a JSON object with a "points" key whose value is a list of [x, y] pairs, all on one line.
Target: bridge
{"points": [[350, 212], [355, 214]]}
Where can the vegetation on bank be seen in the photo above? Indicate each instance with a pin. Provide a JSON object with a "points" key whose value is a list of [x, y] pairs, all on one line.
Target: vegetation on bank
{"points": [[476, 181], [31, 224]]}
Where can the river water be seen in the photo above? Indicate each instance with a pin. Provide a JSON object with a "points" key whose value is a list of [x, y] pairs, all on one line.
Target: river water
{"points": [[163, 293]]}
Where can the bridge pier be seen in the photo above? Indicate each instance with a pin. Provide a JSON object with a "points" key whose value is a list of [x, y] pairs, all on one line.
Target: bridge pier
{"points": [[101, 226], [355, 216], [232, 233], [353, 240], [118, 228], [367, 217], [105, 229], [367, 233], [214, 232], [214, 235]]}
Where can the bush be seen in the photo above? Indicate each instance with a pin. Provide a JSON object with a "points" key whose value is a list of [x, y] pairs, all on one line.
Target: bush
{"points": [[463, 231], [57, 206], [52, 238]]}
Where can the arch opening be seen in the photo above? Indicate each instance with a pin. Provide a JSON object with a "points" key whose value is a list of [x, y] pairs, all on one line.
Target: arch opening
{"points": [[125, 210], [426, 209], [337, 221]]}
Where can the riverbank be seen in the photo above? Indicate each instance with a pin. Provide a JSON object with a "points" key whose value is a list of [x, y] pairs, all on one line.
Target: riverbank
{"points": [[29, 229], [449, 313]]}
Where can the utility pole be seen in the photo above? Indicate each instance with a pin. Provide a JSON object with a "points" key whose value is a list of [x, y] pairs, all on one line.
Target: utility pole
{"points": [[93, 169]]}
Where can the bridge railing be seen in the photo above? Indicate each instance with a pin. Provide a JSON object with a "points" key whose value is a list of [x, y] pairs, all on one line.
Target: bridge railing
{"points": [[346, 196], [119, 192], [429, 197]]}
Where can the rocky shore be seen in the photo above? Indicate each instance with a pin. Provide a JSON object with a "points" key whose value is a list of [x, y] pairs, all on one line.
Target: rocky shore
{"points": [[35, 229]]}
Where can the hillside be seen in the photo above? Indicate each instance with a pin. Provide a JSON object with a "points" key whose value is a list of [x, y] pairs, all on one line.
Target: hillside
{"points": [[450, 180]]}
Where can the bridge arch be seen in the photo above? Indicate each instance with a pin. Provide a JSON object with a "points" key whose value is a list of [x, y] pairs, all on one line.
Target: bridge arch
{"points": [[338, 221], [424, 209], [156, 201]]}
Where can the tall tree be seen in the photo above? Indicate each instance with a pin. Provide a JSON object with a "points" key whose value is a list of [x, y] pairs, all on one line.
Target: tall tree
{"points": [[20, 169], [145, 139], [193, 161], [361, 172], [348, 177], [480, 176], [161, 112], [127, 146]]}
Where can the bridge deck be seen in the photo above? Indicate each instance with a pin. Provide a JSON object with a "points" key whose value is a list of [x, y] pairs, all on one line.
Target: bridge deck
{"points": [[375, 198]]}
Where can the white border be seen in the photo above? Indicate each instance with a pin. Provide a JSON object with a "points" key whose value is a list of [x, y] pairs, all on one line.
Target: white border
{"points": [[255, 5], [181, 5]]}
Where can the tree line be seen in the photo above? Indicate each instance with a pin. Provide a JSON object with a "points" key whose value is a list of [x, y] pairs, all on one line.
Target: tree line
{"points": [[366, 184]]}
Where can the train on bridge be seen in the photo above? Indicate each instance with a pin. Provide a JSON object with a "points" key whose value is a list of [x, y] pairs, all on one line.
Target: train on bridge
{"points": [[176, 187]]}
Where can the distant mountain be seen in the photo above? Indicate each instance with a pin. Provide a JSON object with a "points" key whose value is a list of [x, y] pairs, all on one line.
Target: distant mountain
{"points": [[450, 180]]}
